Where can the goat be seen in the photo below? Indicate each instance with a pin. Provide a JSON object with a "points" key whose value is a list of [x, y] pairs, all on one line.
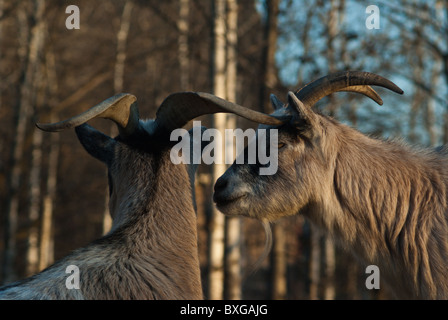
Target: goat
{"points": [[151, 250], [383, 200]]}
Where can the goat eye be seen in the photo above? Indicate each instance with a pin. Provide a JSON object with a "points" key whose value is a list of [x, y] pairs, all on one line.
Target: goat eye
{"points": [[280, 145]]}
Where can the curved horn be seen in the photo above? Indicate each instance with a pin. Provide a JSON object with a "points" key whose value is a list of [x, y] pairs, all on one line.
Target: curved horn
{"points": [[179, 108], [365, 90], [121, 108], [355, 81]]}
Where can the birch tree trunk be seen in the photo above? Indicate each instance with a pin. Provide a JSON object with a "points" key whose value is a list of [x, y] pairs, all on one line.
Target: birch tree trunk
{"points": [[330, 268], [268, 68], [333, 22], [279, 265], [269, 74], [120, 60], [315, 263], [31, 42], [46, 253], [224, 233], [217, 221], [122, 37], [32, 265], [38, 88], [233, 224], [443, 54], [430, 118], [182, 42], [419, 96]]}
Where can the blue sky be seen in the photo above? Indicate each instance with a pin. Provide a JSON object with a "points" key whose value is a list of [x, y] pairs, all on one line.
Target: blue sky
{"points": [[396, 109]]}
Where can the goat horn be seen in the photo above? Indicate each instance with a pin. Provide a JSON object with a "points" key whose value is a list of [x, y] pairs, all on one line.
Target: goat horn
{"points": [[355, 81], [121, 108], [365, 90], [179, 108]]}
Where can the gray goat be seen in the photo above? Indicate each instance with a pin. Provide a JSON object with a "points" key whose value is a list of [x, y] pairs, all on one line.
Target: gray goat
{"points": [[151, 251], [383, 200]]}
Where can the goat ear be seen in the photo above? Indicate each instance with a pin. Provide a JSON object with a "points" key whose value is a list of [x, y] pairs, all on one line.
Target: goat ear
{"points": [[303, 116], [96, 143], [276, 103]]}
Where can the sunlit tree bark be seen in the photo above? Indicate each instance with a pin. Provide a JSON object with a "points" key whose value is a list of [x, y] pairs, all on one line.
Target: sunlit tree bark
{"points": [[32, 38]]}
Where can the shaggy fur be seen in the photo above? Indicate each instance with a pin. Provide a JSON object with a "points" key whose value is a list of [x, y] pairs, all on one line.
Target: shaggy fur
{"points": [[151, 251], [382, 200]]}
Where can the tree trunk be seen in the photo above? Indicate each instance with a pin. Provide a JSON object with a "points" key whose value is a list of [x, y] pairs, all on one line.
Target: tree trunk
{"points": [[32, 40], [46, 253], [122, 37], [270, 82], [279, 283], [32, 265], [217, 223], [120, 62], [444, 58], [269, 72], [315, 263], [419, 96], [330, 268], [182, 42], [430, 118], [334, 17], [233, 224], [305, 42], [38, 88]]}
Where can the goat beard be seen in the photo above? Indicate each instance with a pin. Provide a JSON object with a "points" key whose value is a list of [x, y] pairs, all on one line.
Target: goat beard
{"points": [[266, 250]]}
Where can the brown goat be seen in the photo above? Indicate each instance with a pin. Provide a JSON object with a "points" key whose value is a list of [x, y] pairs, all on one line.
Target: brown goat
{"points": [[383, 200], [151, 251]]}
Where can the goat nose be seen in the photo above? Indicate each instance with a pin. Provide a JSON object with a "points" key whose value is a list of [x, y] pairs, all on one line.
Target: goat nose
{"points": [[220, 184]]}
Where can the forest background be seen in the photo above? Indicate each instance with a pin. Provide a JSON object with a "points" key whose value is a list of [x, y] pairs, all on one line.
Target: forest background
{"points": [[53, 195]]}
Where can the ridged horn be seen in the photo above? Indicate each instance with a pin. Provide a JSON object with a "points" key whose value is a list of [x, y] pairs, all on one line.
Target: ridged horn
{"points": [[121, 108], [179, 108], [354, 81]]}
